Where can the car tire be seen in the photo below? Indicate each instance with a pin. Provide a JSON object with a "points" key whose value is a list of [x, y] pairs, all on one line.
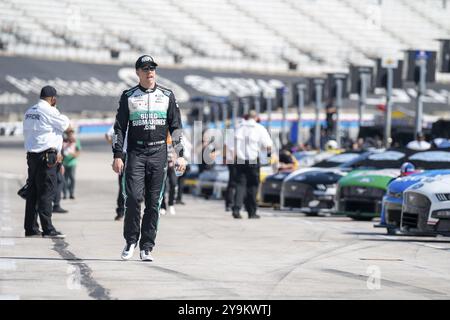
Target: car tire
{"points": [[391, 231], [361, 218], [312, 214]]}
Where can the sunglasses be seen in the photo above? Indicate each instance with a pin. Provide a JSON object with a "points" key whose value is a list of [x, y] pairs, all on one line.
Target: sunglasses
{"points": [[148, 68]]}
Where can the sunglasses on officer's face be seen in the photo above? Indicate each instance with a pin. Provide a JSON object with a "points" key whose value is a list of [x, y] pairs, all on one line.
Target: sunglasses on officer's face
{"points": [[148, 68]]}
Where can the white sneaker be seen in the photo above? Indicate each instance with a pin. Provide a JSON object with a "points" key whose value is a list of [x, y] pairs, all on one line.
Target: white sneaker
{"points": [[128, 251], [146, 255], [162, 211], [172, 210]]}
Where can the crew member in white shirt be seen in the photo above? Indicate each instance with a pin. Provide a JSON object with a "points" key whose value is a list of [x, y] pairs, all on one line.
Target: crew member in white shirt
{"points": [[419, 144], [252, 139], [43, 128]]}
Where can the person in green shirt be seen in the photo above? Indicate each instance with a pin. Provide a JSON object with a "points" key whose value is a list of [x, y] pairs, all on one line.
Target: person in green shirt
{"points": [[71, 151]]}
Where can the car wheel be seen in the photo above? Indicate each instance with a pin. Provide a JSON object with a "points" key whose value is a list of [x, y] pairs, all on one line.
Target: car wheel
{"points": [[391, 231], [311, 214], [361, 218]]}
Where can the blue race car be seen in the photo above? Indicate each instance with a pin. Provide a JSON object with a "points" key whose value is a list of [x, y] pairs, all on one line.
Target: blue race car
{"points": [[392, 201]]}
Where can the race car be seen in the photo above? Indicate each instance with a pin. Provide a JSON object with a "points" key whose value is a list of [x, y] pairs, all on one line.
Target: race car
{"points": [[212, 183], [392, 201], [313, 189], [426, 207], [359, 194], [271, 186], [436, 160], [191, 179], [270, 189]]}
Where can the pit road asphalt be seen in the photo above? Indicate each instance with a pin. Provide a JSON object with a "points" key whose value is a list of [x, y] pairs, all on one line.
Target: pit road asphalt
{"points": [[201, 252]]}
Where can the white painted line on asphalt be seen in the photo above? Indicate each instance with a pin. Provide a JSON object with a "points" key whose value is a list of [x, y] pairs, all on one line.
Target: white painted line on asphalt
{"points": [[430, 245], [9, 175], [7, 265], [9, 297], [389, 237], [7, 242]]}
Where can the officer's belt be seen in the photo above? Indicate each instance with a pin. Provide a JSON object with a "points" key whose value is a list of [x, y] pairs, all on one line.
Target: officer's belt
{"points": [[247, 162], [45, 151], [149, 143]]}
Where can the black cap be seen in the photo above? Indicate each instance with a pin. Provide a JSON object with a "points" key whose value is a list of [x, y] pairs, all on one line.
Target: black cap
{"points": [[145, 60], [48, 91]]}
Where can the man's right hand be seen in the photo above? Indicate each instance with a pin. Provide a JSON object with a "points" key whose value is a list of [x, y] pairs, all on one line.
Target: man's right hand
{"points": [[117, 165], [59, 157]]}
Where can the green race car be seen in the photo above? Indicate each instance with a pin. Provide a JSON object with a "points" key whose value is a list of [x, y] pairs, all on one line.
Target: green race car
{"points": [[360, 193]]}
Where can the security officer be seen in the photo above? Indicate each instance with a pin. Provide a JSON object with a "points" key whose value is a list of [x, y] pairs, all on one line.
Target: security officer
{"points": [[43, 128], [251, 139], [148, 111]]}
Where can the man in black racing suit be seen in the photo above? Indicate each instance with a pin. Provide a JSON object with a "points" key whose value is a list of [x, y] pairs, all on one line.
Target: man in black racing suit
{"points": [[149, 112]]}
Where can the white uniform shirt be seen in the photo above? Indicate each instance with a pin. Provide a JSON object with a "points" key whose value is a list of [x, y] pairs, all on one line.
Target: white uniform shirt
{"points": [[418, 145], [43, 127], [251, 138]]}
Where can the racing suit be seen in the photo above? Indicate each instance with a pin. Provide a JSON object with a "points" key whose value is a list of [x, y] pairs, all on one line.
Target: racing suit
{"points": [[148, 114]]}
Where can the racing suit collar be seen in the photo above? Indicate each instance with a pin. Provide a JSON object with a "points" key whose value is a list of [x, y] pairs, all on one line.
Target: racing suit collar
{"points": [[147, 90]]}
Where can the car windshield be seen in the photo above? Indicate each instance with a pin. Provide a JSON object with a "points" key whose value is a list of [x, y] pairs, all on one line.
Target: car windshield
{"points": [[303, 154], [383, 160], [431, 160], [337, 160]]}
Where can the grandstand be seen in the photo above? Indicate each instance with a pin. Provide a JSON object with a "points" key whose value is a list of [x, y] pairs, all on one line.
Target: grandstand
{"points": [[306, 36]]}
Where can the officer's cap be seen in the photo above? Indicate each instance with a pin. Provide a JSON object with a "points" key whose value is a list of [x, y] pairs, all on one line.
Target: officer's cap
{"points": [[48, 91]]}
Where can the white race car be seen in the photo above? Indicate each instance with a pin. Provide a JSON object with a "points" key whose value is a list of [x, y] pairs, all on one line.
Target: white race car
{"points": [[426, 207], [213, 183]]}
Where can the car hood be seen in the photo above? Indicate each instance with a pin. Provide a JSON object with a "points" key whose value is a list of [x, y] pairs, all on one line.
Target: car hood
{"points": [[369, 178], [280, 176], [401, 184], [302, 171], [318, 177], [432, 185], [214, 175]]}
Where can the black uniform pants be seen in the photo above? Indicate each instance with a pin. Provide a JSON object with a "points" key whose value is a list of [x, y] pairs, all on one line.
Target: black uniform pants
{"points": [[42, 182], [172, 181], [247, 183], [231, 186], [145, 175]]}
